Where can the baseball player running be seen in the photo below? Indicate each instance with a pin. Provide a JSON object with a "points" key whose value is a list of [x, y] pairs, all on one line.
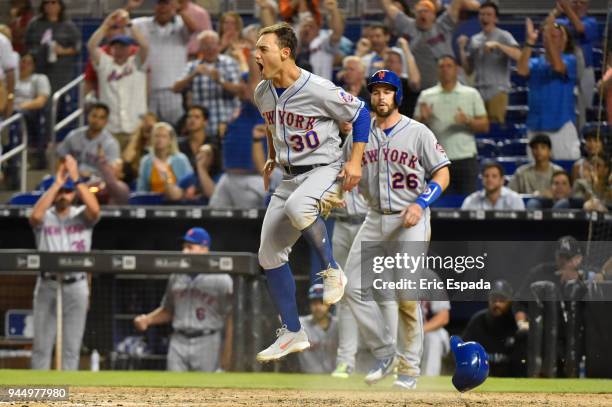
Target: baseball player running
{"points": [[301, 111], [401, 155], [199, 307]]}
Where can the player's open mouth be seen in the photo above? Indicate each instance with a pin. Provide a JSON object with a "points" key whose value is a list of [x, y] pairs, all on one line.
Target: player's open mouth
{"points": [[260, 65]]}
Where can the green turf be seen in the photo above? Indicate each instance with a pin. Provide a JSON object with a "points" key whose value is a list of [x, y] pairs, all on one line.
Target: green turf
{"points": [[284, 381]]}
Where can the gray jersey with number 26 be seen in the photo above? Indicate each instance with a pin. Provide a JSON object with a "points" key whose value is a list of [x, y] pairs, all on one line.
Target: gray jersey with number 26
{"points": [[304, 118], [397, 166]]}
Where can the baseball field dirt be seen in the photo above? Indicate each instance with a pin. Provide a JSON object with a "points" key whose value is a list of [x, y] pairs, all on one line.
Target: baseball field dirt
{"points": [[127, 389]]}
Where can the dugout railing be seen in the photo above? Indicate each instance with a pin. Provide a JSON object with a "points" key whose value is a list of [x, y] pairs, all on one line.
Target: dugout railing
{"points": [[109, 266]]}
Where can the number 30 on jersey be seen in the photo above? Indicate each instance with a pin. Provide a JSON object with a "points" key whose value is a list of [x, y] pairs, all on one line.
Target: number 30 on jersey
{"points": [[300, 142]]}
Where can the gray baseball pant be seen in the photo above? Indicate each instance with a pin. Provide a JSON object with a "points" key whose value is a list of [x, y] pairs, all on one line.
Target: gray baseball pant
{"points": [[293, 207], [194, 354], [75, 298], [435, 347], [377, 335], [241, 191]]}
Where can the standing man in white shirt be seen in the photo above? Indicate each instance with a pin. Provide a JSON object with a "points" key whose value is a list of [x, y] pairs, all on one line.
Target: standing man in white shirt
{"points": [[122, 79], [494, 196], [168, 32]]}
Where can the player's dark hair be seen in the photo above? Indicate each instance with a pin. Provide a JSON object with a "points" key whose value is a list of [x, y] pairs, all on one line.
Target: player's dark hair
{"points": [[99, 105], [492, 5], [202, 110], [562, 173], [493, 164], [379, 26], [285, 36]]}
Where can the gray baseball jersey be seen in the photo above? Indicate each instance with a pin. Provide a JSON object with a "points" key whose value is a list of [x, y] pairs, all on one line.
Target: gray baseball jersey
{"points": [[304, 118], [69, 234], [85, 150], [396, 166], [321, 356], [199, 302]]}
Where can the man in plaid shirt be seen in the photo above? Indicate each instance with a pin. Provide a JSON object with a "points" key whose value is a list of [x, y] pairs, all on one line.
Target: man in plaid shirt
{"points": [[213, 80]]}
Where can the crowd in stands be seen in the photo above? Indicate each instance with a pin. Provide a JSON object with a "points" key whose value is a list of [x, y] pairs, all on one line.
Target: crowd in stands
{"points": [[175, 69]]}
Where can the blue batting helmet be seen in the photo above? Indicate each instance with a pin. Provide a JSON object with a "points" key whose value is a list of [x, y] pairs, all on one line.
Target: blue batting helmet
{"points": [[472, 364], [387, 77]]}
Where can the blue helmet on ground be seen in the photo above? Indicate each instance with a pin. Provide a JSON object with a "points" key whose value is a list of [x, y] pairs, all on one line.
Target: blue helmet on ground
{"points": [[472, 364], [387, 77]]}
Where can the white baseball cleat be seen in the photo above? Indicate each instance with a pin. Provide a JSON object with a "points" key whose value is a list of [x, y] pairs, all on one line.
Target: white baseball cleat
{"points": [[286, 342], [334, 281], [405, 382]]}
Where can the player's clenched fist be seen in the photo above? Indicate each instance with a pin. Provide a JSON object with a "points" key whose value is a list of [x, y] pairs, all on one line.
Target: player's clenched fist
{"points": [[141, 322], [412, 215], [351, 174]]}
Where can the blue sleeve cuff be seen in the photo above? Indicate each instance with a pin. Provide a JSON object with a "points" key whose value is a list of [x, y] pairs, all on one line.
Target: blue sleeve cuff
{"points": [[432, 192], [361, 126]]}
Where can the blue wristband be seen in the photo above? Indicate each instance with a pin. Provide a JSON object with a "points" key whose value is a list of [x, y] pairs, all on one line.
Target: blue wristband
{"points": [[432, 192]]}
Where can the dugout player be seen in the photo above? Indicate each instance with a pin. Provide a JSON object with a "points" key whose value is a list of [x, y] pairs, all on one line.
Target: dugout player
{"points": [[322, 329], [301, 111], [199, 307], [61, 227], [404, 171]]}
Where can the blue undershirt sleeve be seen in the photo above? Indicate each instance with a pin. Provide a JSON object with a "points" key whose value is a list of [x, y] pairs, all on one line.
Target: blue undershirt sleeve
{"points": [[361, 126]]}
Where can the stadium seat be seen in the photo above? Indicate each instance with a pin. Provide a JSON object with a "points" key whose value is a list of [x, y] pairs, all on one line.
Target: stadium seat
{"points": [[566, 164], [449, 201], [510, 164], [514, 147], [146, 198], [518, 96], [517, 114], [517, 80], [501, 132], [487, 148], [25, 198]]}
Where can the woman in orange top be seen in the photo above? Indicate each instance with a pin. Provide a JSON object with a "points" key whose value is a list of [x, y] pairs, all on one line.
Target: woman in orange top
{"points": [[165, 164]]}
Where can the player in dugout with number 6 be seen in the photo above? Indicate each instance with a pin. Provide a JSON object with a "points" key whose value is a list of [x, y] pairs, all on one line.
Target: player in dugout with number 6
{"points": [[200, 307]]}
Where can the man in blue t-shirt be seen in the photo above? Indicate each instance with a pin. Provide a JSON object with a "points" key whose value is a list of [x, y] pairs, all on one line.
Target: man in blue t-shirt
{"points": [[241, 185], [552, 78], [586, 32]]}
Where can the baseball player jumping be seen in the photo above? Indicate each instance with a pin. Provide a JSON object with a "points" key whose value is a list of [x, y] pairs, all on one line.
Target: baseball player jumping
{"points": [[400, 157], [302, 112]]}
